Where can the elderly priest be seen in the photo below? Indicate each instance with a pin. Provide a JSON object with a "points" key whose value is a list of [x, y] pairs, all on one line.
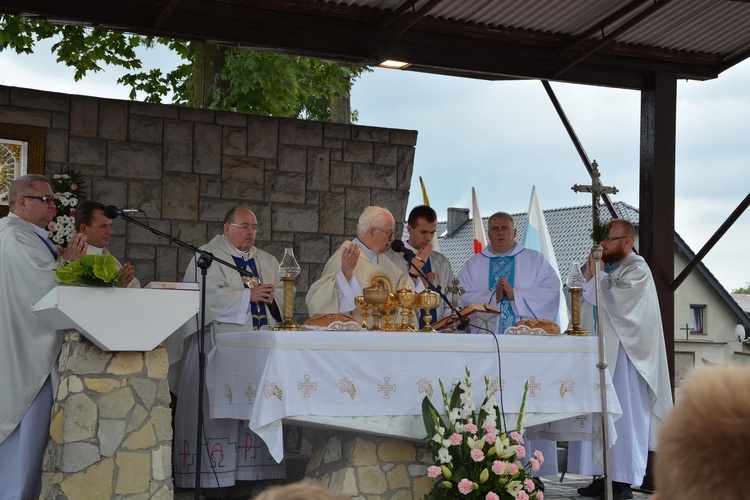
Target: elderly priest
{"points": [[361, 263]]}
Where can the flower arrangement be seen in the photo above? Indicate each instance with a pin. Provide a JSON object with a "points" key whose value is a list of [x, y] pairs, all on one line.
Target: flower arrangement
{"points": [[67, 188], [473, 458], [90, 270]]}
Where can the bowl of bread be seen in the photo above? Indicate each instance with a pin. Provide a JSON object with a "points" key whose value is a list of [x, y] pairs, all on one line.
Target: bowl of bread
{"points": [[534, 327]]}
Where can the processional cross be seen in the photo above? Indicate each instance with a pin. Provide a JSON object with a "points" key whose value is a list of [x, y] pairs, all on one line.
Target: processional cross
{"points": [[456, 291], [597, 190]]}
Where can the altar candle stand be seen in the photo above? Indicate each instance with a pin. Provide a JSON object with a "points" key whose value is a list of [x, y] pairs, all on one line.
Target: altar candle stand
{"points": [[289, 269], [575, 287]]}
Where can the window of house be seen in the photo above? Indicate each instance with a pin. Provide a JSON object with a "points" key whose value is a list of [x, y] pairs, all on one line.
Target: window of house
{"points": [[697, 317]]}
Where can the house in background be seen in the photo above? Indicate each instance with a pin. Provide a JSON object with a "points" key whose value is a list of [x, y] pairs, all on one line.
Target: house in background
{"points": [[709, 324]]}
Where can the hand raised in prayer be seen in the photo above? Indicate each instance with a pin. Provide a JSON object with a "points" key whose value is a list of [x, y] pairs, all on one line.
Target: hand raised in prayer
{"points": [[505, 289], [76, 248], [349, 258], [262, 293], [421, 257], [128, 273]]}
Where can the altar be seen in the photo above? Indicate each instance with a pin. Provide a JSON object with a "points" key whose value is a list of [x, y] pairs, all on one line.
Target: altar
{"points": [[375, 381]]}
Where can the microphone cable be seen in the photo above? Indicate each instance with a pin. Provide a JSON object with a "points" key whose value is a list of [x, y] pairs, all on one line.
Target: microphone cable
{"points": [[499, 373]]}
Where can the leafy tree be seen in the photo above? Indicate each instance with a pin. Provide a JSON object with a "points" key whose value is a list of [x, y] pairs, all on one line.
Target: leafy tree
{"points": [[211, 76], [743, 289]]}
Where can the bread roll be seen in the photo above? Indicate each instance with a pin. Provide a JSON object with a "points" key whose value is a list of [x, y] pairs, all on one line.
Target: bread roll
{"points": [[548, 326], [332, 321]]}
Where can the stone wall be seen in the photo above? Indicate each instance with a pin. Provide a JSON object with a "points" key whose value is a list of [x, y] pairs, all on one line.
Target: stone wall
{"points": [[306, 181], [369, 467], [111, 429]]}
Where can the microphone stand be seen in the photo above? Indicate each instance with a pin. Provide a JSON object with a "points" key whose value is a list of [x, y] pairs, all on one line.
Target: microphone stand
{"points": [[463, 321], [203, 261]]}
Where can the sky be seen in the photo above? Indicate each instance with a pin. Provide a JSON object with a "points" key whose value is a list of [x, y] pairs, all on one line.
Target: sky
{"points": [[504, 137]]}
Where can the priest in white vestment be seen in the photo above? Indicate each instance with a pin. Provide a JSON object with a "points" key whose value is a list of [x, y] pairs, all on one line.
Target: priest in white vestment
{"points": [[361, 263], [522, 285], [28, 359], [636, 358], [517, 280], [232, 304], [422, 225], [97, 229]]}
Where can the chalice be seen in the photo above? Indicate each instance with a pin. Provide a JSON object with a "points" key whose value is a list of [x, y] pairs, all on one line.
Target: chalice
{"points": [[406, 298], [363, 306], [375, 297], [427, 300], [388, 307]]}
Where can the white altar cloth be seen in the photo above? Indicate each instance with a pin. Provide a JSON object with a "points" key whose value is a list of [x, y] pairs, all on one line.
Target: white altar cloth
{"points": [[381, 378]]}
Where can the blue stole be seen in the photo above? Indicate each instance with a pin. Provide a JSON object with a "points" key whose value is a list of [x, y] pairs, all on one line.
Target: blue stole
{"points": [[608, 268], [427, 268], [49, 247], [503, 267], [257, 309]]}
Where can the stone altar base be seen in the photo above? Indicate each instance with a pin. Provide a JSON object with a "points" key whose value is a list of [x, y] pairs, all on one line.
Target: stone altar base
{"points": [[369, 467], [111, 432]]}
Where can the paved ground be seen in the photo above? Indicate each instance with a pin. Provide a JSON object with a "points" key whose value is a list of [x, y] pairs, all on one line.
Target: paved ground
{"points": [[554, 490]]}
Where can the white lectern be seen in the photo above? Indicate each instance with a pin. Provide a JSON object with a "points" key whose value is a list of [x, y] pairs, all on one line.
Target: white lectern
{"points": [[119, 319]]}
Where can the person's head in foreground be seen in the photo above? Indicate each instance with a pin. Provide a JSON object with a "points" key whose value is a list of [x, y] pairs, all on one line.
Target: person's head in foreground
{"points": [[304, 490], [705, 437]]}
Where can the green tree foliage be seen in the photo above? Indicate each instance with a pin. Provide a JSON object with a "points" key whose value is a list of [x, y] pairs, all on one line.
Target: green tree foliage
{"points": [[743, 289], [210, 76]]}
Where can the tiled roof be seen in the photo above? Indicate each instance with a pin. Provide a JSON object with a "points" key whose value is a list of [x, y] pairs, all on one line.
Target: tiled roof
{"points": [[743, 300], [569, 228]]}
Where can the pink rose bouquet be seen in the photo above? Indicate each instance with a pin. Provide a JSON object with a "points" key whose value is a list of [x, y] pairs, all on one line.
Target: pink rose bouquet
{"points": [[473, 458]]}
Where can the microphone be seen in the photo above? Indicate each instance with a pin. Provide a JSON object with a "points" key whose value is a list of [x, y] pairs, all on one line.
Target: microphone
{"points": [[398, 246], [111, 211]]}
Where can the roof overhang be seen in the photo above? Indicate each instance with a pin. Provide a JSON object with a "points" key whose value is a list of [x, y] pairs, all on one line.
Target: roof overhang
{"points": [[619, 43]]}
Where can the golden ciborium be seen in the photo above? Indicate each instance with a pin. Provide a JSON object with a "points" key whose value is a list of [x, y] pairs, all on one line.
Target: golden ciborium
{"points": [[406, 300], [426, 301], [375, 296], [575, 287]]}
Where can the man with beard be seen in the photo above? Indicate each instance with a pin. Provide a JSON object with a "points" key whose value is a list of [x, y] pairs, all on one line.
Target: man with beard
{"points": [[636, 355]]}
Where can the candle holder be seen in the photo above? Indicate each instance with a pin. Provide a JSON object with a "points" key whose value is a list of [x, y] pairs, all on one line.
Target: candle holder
{"points": [[575, 287], [289, 269]]}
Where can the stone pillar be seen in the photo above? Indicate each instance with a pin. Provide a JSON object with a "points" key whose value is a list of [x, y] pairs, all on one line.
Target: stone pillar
{"points": [[369, 466], [111, 431]]}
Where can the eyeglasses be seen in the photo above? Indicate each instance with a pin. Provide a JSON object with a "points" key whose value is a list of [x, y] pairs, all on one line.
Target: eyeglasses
{"points": [[389, 233], [613, 238], [244, 227], [46, 198]]}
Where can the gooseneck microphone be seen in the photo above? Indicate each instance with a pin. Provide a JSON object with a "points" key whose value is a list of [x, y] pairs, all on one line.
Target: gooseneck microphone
{"points": [[112, 212], [398, 246]]}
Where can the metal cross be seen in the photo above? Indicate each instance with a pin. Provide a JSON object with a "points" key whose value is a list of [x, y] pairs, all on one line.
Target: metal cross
{"points": [[597, 190], [307, 386], [456, 291], [687, 331], [387, 388]]}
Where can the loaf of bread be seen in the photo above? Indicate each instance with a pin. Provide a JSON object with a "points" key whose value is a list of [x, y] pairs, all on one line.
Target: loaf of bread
{"points": [[332, 321], [548, 326]]}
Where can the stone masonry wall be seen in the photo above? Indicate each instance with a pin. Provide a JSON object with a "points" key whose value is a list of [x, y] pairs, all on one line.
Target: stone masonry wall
{"points": [[306, 181], [111, 429], [369, 467]]}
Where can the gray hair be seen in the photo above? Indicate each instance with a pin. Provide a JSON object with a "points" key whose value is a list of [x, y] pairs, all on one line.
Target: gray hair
{"points": [[501, 215], [372, 216], [20, 186]]}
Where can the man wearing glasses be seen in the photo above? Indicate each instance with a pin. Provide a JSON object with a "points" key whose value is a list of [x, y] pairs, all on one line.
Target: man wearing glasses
{"points": [[356, 263], [636, 357], [30, 348], [233, 303]]}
